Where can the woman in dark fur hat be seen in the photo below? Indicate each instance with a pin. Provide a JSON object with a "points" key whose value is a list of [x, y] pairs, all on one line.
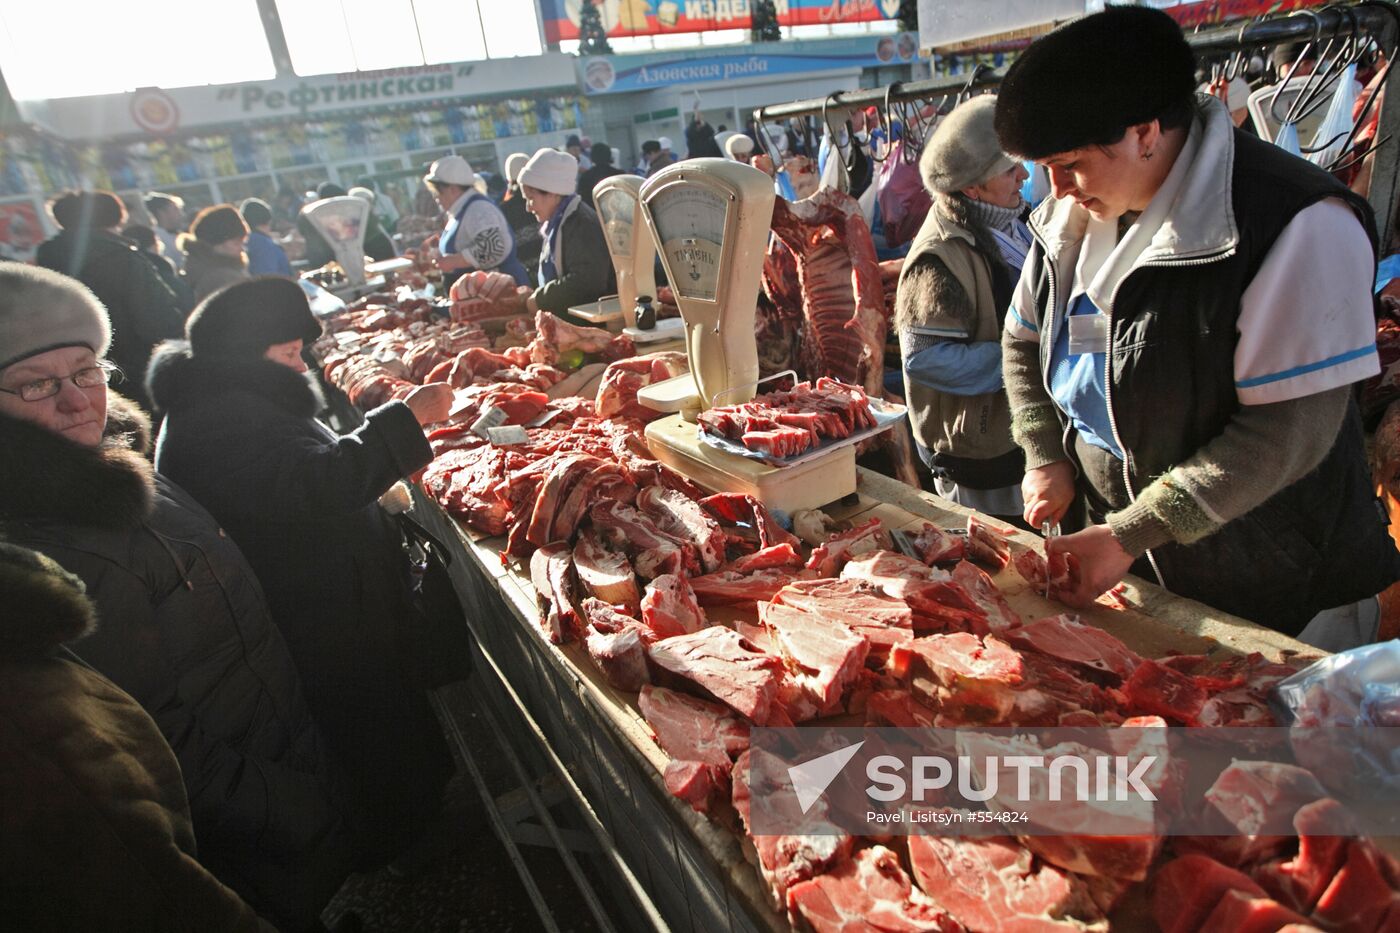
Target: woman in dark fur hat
{"points": [[1181, 347], [241, 434], [214, 255], [184, 625], [95, 830]]}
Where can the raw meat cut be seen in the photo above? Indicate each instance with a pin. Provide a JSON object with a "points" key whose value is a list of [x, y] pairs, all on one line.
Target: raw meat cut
{"points": [[986, 545], [739, 508], [556, 336], [1238, 912], [960, 674], [1050, 576], [939, 603], [1159, 690], [897, 708], [813, 526], [725, 665], [870, 892], [779, 555], [606, 574], [1251, 806], [786, 423], [478, 295], [726, 586], [979, 587], [617, 393], [461, 480], [701, 738], [1362, 894], [1188, 888], [1086, 646], [617, 644], [551, 572], [884, 622], [683, 518], [653, 551], [824, 656], [994, 884], [936, 546], [827, 559], [785, 860], [669, 607], [561, 480]]}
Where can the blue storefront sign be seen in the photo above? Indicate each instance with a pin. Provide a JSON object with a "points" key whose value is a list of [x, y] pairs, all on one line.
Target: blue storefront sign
{"points": [[617, 74]]}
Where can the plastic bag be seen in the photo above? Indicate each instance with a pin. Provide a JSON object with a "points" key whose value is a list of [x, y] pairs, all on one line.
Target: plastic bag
{"points": [[1344, 710], [1336, 124], [904, 202]]}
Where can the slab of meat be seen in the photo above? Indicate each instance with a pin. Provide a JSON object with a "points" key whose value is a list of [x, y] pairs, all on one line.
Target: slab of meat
{"points": [[557, 483], [939, 603], [701, 738], [551, 572], [617, 644], [786, 423], [936, 546], [653, 550], [726, 586], [1052, 576], [555, 336], [961, 674], [1316, 879], [1188, 888], [669, 607], [606, 574], [897, 708], [827, 559], [1161, 691], [1251, 807], [740, 508], [1363, 894], [1240, 912], [478, 295], [462, 481], [984, 593], [785, 860], [779, 555], [994, 883], [726, 666], [986, 545], [683, 518], [870, 892], [884, 622], [617, 393], [1086, 646], [824, 656]]}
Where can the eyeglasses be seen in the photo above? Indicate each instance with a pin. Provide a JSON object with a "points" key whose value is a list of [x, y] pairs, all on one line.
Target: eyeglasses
{"points": [[89, 377]]}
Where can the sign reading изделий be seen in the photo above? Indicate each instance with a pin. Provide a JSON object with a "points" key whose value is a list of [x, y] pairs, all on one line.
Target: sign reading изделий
{"points": [[665, 17]]}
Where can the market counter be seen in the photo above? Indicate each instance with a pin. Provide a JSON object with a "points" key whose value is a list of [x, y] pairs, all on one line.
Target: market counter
{"points": [[695, 871]]}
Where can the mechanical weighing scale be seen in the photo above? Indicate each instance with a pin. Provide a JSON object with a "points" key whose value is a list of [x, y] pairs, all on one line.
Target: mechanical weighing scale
{"points": [[341, 221], [618, 202], [711, 218]]}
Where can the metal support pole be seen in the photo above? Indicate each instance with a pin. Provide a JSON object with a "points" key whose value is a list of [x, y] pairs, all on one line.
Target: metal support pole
{"points": [[276, 38]]}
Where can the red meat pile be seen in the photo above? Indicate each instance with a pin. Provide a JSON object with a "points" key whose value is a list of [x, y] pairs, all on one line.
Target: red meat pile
{"points": [[784, 424], [480, 296]]}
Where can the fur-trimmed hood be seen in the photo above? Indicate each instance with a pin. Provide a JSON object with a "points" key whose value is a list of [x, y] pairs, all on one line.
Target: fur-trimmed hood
{"points": [[46, 478], [177, 379], [45, 605]]}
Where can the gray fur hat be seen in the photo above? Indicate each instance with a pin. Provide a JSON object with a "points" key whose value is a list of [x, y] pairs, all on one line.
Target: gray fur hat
{"points": [[42, 310], [963, 150]]}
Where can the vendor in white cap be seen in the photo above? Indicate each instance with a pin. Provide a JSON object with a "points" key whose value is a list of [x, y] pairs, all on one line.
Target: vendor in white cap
{"points": [[739, 148], [574, 265], [522, 222], [477, 235]]}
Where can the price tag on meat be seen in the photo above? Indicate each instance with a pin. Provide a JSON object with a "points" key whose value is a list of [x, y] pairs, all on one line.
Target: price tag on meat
{"points": [[491, 417], [508, 434], [690, 224]]}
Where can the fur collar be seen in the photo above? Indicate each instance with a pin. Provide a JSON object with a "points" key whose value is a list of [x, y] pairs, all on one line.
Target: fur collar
{"points": [[46, 478], [44, 605], [178, 380]]}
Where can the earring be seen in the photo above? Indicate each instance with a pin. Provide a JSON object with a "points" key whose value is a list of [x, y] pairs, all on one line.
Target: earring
{"points": [[1146, 156]]}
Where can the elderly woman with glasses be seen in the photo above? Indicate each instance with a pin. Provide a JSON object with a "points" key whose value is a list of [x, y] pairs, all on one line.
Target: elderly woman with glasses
{"points": [[182, 622]]}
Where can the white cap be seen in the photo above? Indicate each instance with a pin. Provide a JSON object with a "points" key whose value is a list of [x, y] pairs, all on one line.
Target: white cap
{"points": [[551, 170], [665, 142], [364, 194], [738, 147], [451, 170], [514, 163]]}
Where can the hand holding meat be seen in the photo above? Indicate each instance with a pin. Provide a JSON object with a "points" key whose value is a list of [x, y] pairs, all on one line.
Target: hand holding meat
{"points": [[1101, 560], [1048, 492], [430, 403]]}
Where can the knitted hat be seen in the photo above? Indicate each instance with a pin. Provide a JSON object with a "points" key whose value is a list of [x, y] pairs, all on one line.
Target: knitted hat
{"points": [[1091, 79], [964, 150], [451, 170], [243, 319], [739, 147], [256, 212], [665, 142], [41, 310], [514, 163], [218, 224], [551, 170]]}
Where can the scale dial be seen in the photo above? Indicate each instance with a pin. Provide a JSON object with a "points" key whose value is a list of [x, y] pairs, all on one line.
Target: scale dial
{"points": [[618, 210], [690, 222]]}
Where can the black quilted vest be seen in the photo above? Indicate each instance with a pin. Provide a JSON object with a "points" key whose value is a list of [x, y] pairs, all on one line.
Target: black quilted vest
{"points": [[1317, 544]]}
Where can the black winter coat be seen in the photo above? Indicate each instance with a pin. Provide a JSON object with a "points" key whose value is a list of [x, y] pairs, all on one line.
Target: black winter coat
{"points": [[302, 504], [144, 311], [184, 629], [586, 272]]}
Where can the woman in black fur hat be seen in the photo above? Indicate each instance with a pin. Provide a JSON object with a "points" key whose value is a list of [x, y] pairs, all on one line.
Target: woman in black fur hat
{"points": [[183, 625], [241, 434], [1181, 345]]}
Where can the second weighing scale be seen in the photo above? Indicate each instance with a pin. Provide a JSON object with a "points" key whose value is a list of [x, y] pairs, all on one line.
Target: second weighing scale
{"points": [[618, 202], [711, 218], [341, 222]]}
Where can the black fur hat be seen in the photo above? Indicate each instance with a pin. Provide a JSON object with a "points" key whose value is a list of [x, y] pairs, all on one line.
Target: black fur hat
{"points": [[245, 318], [1091, 79]]}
